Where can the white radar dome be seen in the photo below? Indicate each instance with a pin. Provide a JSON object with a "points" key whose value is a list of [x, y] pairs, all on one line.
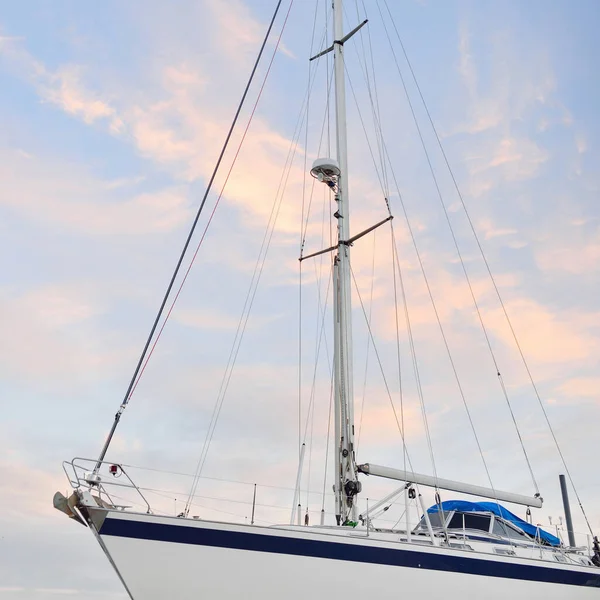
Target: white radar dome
{"points": [[325, 168]]}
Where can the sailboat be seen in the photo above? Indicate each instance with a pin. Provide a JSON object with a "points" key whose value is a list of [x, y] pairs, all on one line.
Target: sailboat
{"points": [[459, 549]]}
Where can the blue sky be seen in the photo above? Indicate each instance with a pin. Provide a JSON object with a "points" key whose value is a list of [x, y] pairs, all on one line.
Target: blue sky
{"points": [[111, 118]]}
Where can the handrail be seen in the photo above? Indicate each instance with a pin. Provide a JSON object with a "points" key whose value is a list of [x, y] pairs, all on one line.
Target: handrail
{"points": [[92, 480]]}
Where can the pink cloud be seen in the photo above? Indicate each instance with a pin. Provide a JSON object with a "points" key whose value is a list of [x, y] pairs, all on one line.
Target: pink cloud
{"points": [[47, 189], [545, 337], [578, 258], [63, 87], [49, 333], [582, 387]]}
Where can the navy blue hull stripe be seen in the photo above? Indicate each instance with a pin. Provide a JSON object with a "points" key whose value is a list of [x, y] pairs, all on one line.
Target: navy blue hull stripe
{"points": [[436, 561]]}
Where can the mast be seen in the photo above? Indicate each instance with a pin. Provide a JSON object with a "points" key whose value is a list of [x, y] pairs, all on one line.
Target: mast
{"points": [[346, 484]]}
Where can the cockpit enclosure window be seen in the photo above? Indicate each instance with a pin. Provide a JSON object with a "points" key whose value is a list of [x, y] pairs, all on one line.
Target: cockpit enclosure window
{"points": [[503, 529], [434, 518], [470, 521]]}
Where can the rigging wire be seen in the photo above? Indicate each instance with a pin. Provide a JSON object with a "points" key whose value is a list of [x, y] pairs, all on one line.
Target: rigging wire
{"points": [[430, 293], [413, 352], [318, 274], [385, 382], [132, 383], [304, 226], [396, 262], [300, 351], [252, 290], [221, 192], [379, 171], [364, 393], [254, 284], [321, 335], [308, 211], [371, 84], [367, 139], [411, 341], [440, 326], [377, 112], [382, 178], [493, 280], [459, 254], [376, 115], [329, 71], [327, 442], [302, 238], [311, 406], [173, 495], [207, 478], [249, 301]]}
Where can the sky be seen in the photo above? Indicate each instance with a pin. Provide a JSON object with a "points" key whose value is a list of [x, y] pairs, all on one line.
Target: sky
{"points": [[111, 119]]}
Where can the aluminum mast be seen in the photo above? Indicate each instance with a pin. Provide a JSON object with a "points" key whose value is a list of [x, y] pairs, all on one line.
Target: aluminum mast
{"points": [[346, 485]]}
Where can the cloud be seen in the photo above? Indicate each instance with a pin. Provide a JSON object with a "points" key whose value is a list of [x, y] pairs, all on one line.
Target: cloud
{"points": [[238, 32], [33, 530], [516, 83], [63, 87], [207, 318], [378, 426], [124, 182], [554, 339], [523, 154], [50, 334], [53, 191], [578, 257], [178, 133], [544, 336], [581, 143], [504, 160], [179, 125], [582, 387], [490, 231], [484, 115], [20, 487], [451, 294]]}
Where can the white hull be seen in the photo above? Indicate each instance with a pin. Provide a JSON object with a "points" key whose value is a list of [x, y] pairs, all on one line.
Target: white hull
{"points": [[226, 561]]}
